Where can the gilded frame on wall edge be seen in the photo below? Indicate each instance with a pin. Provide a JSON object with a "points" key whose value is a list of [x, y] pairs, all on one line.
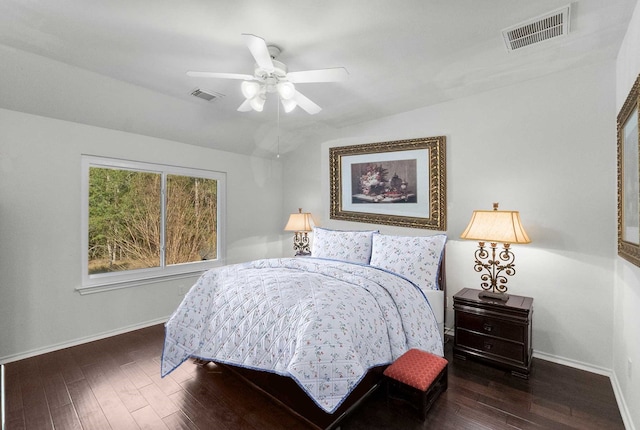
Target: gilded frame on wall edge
{"points": [[627, 249], [436, 217]]}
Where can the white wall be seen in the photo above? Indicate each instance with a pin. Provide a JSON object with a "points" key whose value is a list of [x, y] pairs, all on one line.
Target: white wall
{"points": [[626, 322], [40, 255], [545, 148]]}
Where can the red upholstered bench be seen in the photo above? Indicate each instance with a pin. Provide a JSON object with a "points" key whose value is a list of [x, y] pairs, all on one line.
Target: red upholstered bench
{"points": [[417, 377]]}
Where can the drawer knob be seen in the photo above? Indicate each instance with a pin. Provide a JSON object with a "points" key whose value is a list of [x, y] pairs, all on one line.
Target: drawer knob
{"points": [[488, 346], [487, 327]]}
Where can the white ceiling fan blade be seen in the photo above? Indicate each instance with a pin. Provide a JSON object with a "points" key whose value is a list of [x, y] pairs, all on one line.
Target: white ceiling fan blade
{"points": [[259, 50], [336, 74], [306, 104], [220, 75], [245, 106]]}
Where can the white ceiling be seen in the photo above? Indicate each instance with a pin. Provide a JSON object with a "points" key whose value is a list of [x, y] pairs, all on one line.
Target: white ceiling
{"points": [[122, 64]]}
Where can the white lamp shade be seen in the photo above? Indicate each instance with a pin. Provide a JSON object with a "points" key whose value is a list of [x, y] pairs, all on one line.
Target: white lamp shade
{"points": [[250, 89], [299, 222], [496, 226], [286, 90]]}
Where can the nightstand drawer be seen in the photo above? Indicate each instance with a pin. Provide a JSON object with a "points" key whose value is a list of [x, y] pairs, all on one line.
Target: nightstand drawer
{"points": [[490, 345], [491, 326]]}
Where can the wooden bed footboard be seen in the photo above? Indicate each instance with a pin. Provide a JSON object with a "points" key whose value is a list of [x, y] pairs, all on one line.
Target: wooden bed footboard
{"points": [[286, 392]]}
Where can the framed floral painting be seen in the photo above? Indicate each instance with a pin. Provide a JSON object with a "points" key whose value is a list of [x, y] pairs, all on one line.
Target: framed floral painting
{"points": [[401, 183]]}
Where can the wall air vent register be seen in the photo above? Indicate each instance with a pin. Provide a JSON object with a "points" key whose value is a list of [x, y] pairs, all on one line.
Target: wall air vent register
{"points": [[551, 25], [206, 94]]}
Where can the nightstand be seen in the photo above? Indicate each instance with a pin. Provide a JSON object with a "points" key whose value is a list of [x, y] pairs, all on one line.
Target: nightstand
{"points": [[494, 331]]}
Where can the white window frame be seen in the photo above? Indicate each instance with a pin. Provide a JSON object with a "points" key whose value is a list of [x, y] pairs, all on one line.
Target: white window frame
{"points": [[130, 278]]}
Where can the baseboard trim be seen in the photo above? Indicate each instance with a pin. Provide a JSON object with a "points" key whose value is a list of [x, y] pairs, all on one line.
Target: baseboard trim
{"points": [[573, 363], [622, 404], [613, 379], [80, 341]]}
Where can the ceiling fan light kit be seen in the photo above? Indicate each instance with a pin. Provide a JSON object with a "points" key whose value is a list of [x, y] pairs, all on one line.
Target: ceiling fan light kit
{"points": [[250, 89], [286, 90], [270, 76], [257, 103]]}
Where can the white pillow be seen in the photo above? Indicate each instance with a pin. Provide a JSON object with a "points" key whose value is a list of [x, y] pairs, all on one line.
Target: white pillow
{"points": [[350, 246], [414, 257]]}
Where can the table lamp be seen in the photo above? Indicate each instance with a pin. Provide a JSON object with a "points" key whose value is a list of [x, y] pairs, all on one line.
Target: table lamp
{"points": [[495, 226], [300, 223]]}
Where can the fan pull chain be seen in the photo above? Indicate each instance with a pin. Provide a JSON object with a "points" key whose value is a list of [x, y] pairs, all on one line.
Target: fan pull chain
{"points": [[278, 149]]}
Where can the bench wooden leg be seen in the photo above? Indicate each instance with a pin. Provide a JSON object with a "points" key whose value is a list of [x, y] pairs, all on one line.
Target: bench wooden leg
{"points": [[422, 401]]}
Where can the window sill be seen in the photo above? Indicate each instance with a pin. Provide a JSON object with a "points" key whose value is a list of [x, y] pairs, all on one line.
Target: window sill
{"points": [[110, 285]]}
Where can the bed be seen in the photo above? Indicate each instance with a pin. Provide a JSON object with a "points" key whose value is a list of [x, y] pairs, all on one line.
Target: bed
{"points": [[325, 325]]}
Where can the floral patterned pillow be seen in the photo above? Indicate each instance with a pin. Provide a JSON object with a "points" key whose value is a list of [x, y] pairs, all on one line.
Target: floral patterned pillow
{"points": [[416, 258], [350, 246]]}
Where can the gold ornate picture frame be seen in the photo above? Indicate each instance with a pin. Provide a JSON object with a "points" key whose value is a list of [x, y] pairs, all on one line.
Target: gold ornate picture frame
{"points": [[629, 177], [400, 183]]}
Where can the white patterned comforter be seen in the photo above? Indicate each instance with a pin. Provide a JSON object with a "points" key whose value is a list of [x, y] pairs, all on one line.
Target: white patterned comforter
{"points": [[323, 323]]}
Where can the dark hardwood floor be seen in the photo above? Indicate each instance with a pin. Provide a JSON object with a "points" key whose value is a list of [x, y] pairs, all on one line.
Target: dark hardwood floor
{"points": [[115, 384]]}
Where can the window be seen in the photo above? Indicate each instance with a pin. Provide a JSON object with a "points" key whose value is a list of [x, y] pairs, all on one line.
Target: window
{"points": [[142, 221]]}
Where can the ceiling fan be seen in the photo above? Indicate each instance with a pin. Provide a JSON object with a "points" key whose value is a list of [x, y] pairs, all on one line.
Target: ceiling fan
{"points": [[271, 76]]}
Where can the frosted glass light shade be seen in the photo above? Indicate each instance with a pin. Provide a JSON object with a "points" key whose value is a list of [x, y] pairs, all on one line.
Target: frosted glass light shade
{"points": [[286, 90], [257, 103], [496, 226], [249, 89], [288, 105]]}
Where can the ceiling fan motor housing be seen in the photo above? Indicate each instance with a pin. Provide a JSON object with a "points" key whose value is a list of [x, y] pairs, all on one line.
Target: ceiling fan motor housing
{"points": [[271, 79], [279, 71]]}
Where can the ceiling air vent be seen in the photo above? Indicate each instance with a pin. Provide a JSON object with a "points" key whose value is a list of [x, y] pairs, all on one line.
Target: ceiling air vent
{"points": [[548, 26], [206, 95]]}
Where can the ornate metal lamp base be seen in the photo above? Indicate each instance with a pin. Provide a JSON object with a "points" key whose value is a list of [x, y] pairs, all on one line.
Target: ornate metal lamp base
{"points": [[497, 267], [493, 295], [301, 243]]}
